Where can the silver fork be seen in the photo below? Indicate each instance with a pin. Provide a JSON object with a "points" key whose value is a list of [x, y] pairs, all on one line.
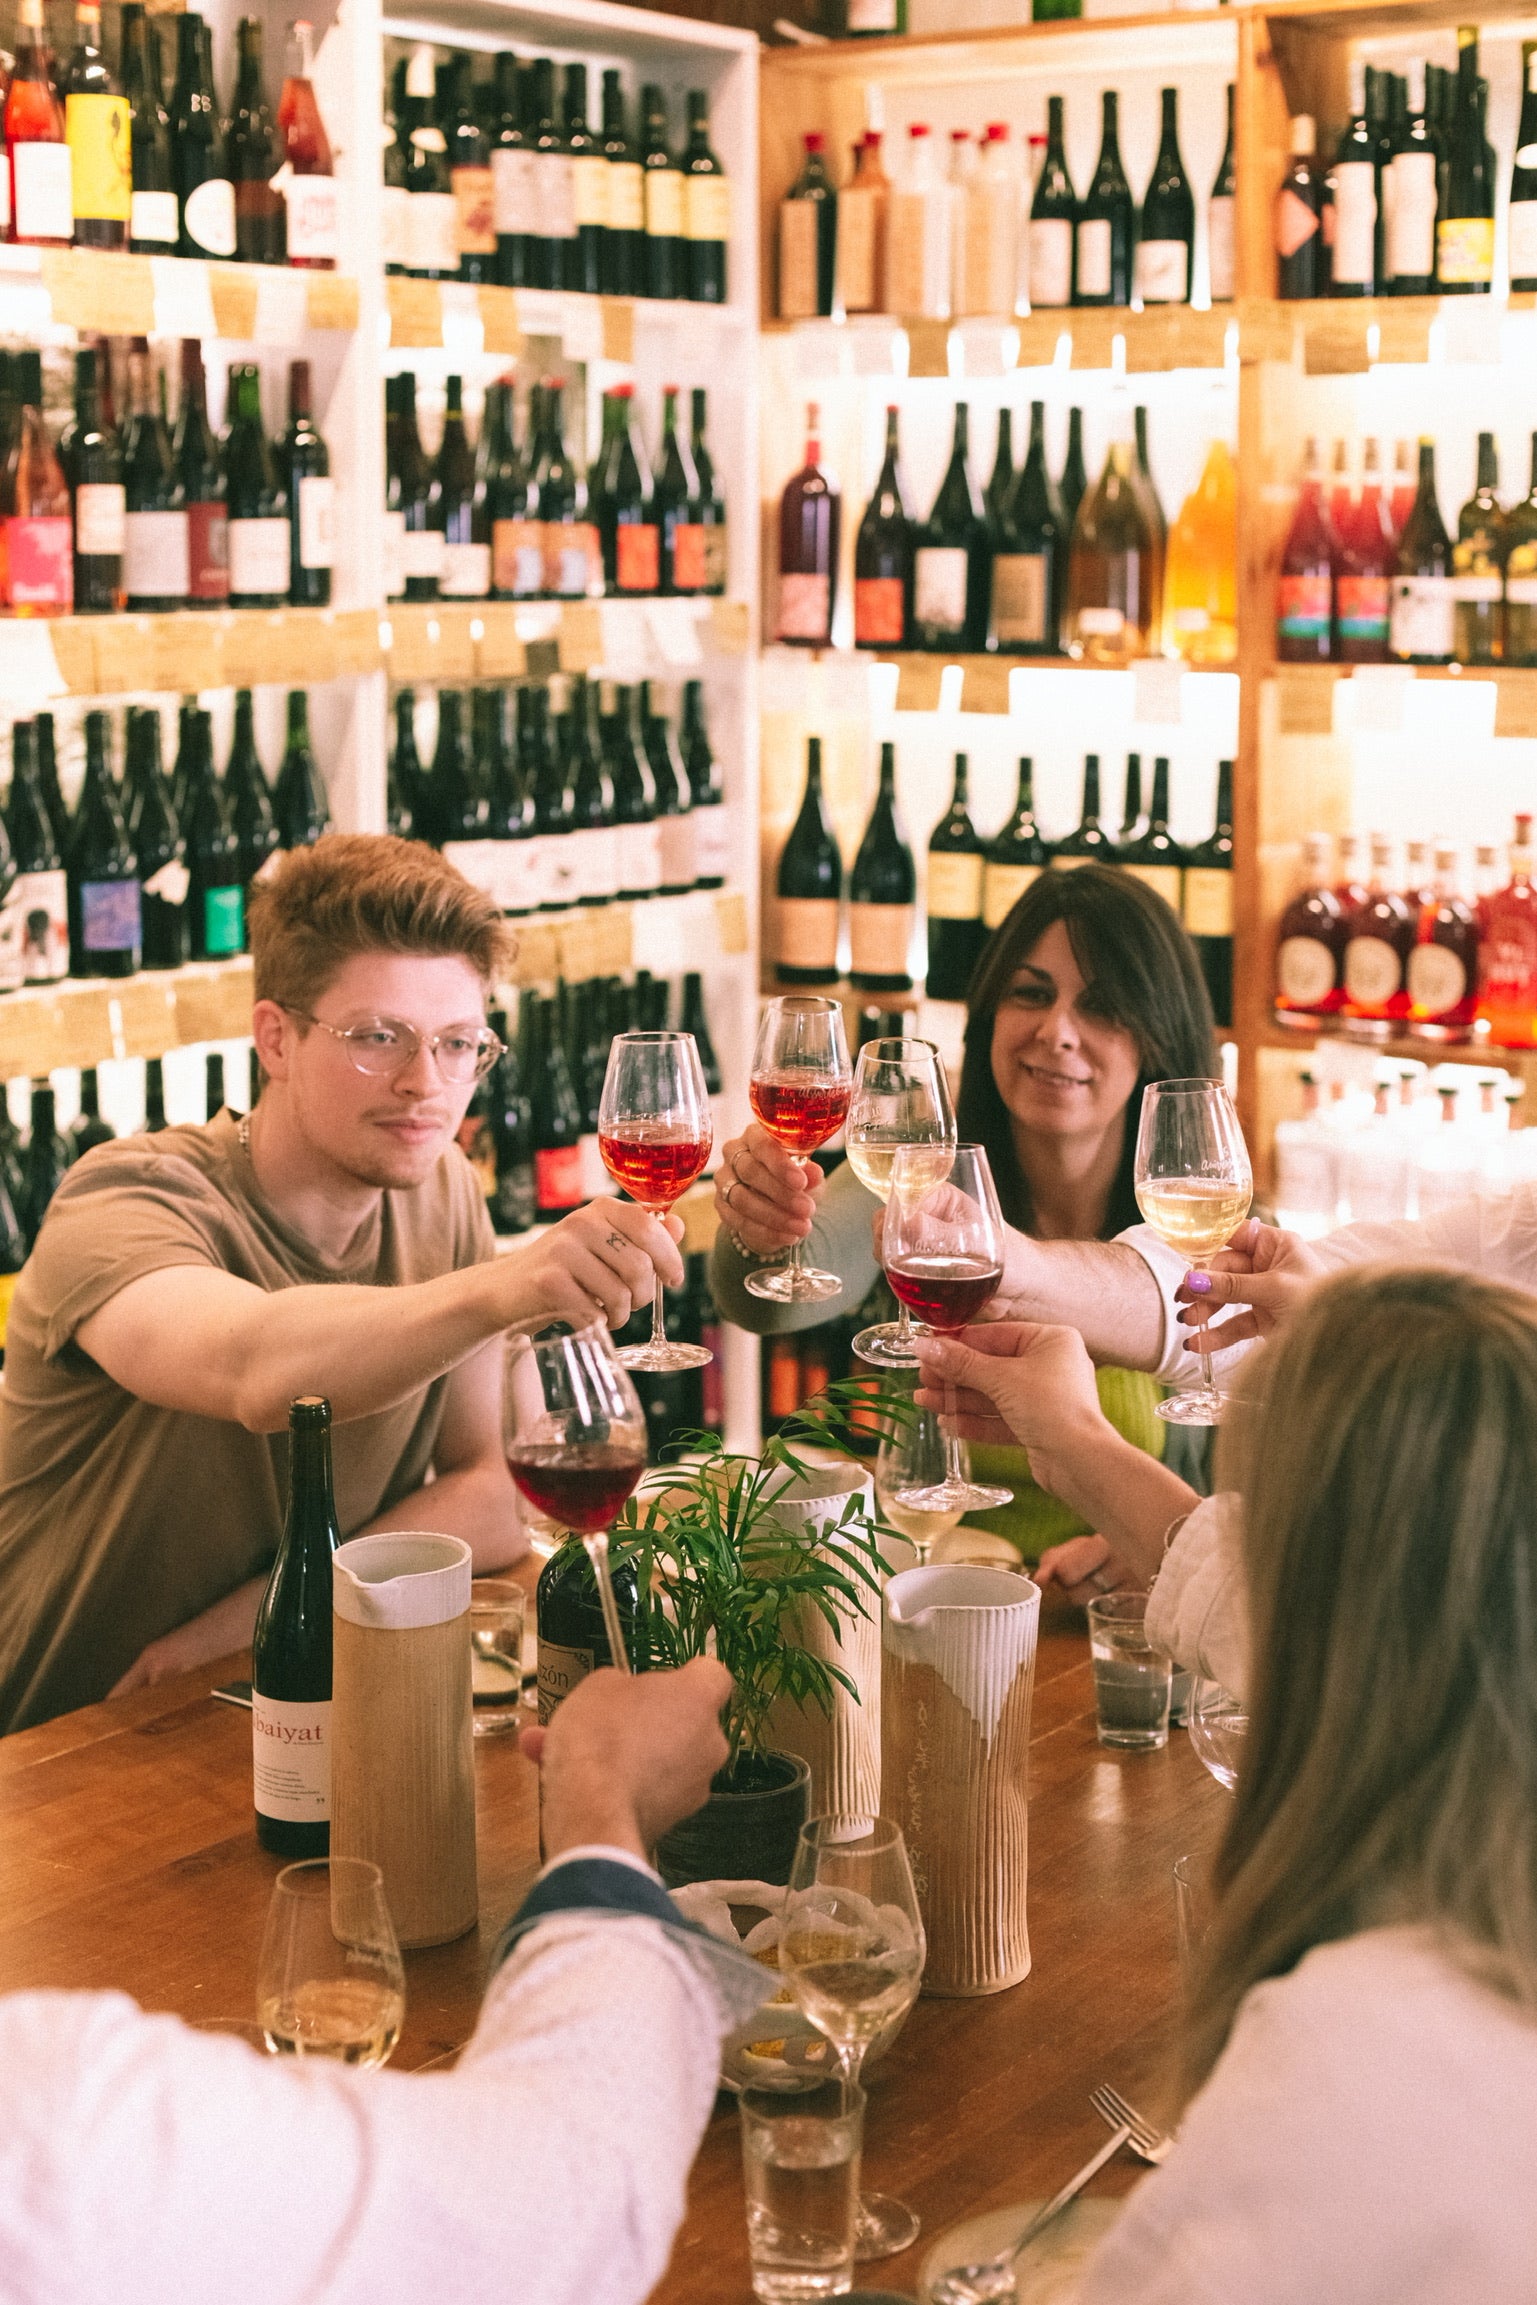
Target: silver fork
{"points": [[991, 2281], [1147, 2142]]}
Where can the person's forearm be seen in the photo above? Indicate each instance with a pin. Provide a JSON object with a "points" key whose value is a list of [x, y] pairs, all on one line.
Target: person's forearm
{"points": [[1101, 1288], [214, 1633], [475, 1502], [1128, 1497]]}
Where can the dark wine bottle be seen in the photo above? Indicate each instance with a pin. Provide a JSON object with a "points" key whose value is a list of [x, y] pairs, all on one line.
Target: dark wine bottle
{"points": [[154, 1096], [1222, 220], [624, 234], [1521, 574], [105, 922], [394, 197], [291, 1652], [1029, 555], [216, 883], [1301, 251], [1208, 905], [408, 497], [951, 559], [883, 557], [100, 502], [44, 1162], [1000, 481], [502, 503], [469, 173], [259, 539], [1410, 199], [254, 158], [152, 214], [1073, 481], [635, 817], [213, 1085], [583, 253], [48, 777], [1478, 567], [460, 803], [1465, 220], [573, 556], [675, 502], [41, 894], [1133, 822], [627, 516], [1107, 222], [706, 207], [557, 1116], [299, 804], [573, 1640], [1088, 842], [90, 1129], [205, 196], [1422, 627], [514, 205], [809, 884], [156, 563], [666, 246], [159, 845], [709, 503], [1523, 179], [810, 513], [432, 225], [201, 474], [808, 239], [1157, 859], [712, 833], [674, 803], [593, 837], [466, 573], [247, 797], [1053, 218], [555, 182], [305, 464], [512, 1205], [693, 1019], [1166, 237], [954, 900], [1016, 856]]}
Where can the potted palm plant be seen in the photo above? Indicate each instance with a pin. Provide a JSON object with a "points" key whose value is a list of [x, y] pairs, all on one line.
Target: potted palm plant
{"points": [[730, 1552]]}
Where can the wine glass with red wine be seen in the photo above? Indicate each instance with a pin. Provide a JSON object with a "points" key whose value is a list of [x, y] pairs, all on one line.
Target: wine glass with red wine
{"points": [[942, 1246], [655, 1133], [576, 1443], [800, 1089]]}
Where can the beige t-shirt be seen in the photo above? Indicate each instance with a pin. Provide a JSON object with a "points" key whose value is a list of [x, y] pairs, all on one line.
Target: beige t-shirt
{"points": [[120, 1520]]}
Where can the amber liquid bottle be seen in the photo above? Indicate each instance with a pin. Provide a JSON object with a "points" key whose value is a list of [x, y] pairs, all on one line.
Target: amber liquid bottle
{"points": [[1310, 946]]}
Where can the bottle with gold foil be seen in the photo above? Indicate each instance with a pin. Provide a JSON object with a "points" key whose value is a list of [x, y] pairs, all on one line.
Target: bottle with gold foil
{"points": [[1478, 567], [98, 131]]}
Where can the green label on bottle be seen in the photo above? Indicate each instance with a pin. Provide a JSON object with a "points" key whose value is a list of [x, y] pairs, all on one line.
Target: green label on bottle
{"points": [[223, 921]]}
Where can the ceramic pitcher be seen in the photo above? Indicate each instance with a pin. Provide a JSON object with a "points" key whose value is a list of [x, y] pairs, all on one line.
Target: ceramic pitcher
{"points": [[958, 1669], [842, 1748]]}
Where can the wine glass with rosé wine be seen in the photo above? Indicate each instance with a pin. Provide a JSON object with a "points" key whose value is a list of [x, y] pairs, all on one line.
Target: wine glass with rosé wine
{"points": [[1193, 1184], [800, 1089], [655, 1134], [942, 1248], [576, 1443]]}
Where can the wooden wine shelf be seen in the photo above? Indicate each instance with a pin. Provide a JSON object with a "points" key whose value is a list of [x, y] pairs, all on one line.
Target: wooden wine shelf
{"points": [[101, 294], [1305, 692], [660, 934], [428, 315], [425, 643], [83, 1022]]}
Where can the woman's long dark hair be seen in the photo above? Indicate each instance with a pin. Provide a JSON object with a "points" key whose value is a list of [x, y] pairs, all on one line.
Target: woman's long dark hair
{"points": [[1142, 973]]}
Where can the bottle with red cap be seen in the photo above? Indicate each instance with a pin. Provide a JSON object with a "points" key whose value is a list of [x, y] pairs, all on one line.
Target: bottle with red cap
{"points": [[309, 184], [808, 238], [918, 240], [1364, 567], [1310, 945], [1507, 992], [623, 496], [1380, 939]]}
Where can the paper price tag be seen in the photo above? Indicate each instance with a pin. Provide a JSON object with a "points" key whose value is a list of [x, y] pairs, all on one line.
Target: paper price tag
{"points": [[183, 299], [675, 630], [1157, 689], [29, 669], [623, 627], [282, 304]]}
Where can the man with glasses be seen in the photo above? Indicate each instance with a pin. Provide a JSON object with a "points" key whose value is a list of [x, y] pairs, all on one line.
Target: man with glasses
{"points": [[187, 1286]]}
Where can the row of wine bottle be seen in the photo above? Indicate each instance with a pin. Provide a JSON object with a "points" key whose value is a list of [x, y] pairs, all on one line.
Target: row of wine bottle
{"points": [[1407, 208], [1390, 946], [154, 872], [1370, 581], [505, 521], [973, 883], [584, 796], [140, 516], [1029, 566], [979, 236], [496, 180], [99, 157]]}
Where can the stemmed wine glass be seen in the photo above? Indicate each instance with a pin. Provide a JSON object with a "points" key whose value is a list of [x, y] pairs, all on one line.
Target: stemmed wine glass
{"points": [[1193, 1184], [330, 1982], [900, 1097], [942, 1245], [852, 1948], [655, 1133], [576, 1443], [912, 1456], [799, 1090]]}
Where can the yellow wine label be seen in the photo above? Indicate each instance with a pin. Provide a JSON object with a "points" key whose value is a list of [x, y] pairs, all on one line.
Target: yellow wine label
{"points": [[1208, 901], [7, 1291], [707, 207], [1002, 887], [664, 204], [97, 130], [1465, 251], [954, 887]]}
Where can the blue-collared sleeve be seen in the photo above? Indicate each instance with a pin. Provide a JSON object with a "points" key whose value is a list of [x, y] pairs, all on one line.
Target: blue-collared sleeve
{"points": [[600, 1888]]}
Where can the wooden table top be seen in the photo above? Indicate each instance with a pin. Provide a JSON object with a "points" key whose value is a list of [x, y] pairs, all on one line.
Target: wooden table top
{"points": [[128, 1859]]}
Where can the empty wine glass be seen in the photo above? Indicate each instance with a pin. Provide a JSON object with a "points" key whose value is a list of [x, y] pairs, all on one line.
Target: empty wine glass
{"points": [[900, 1097], [852, 1948], [575, 1438], [912, 1456], [942, 1248], [330, 1982], [1193, 1184], [655, 1133], [799, 1090], [1219, 1718]]}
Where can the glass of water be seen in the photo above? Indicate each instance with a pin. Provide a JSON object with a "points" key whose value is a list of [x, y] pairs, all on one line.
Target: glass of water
{"points": [[800, 2166], [497, 1608], [1132, 1678]]}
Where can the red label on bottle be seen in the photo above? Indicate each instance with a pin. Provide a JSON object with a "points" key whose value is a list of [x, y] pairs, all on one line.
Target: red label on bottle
{"points": [[558, 1177], [208, 552], [1304, 607], [689, 570], [1363, 607], [879, 605], [637, 556], [39, 565]]}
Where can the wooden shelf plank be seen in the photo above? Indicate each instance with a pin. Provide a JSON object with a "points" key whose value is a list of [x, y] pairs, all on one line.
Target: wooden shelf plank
{"points": [[85, 1021], [101, 293]]}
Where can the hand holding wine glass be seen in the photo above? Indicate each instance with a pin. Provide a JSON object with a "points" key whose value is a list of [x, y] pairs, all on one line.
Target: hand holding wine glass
{"points": [[655, 1133], [942, 1243], [901, 1097], [1193, 1184], [799, 1090], [576, 1444]]}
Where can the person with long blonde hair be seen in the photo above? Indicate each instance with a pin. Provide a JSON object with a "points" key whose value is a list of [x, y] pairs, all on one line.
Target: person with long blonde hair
{"points": [[1359, 2068]]}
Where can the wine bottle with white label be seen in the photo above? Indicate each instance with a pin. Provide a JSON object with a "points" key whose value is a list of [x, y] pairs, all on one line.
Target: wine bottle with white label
{"points": [[514, 212], [712, 833], [1354, 263], [883, 891], [666, 244], [583, 253], [291, 1652], [1029, 555], [1107, 223], [954, 895], [155, 549], [1523, 179], [1053, 215], [1409, 204], [809, 884], [1222, 221], [951, 559], [1478, 567], [624, 231], [41, 894], [1167, 237], [454, 505], [883, 556], [204, 192], [306, 466], [706, 207], [1422, 617], [158, 843], [259, 538], [152, 219]]}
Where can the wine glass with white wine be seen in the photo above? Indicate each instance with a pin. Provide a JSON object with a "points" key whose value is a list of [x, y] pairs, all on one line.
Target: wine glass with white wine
{"points": [[852, 1949], [913, 1456], [901, 1097], [1193, 1184], [330, 1982]]}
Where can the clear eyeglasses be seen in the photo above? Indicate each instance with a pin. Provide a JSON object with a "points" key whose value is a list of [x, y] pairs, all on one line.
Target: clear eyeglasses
{"points": [[386, 1045]]}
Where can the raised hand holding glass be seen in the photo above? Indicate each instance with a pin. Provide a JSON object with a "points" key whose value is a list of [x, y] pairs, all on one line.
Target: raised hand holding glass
{"points": [[799, 1090], [1193, 1184], [655, 1133], [942, 1247], [901, 1097]]}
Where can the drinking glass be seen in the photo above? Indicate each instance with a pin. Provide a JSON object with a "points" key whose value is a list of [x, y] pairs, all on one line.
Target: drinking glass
{"points": [[1193, 1184], [330, 1982], [497, 1613], [942, 1247], [576, 1443], [1192, 1911], [800, 2168], [913, 1457], [655, 1133], [799, 1090], [900, 1097], [851, 1945], [1132, 1678], [1218, 1729]]}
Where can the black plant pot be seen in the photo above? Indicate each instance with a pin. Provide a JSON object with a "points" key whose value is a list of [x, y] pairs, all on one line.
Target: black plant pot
{"points": [[747, 1833]]}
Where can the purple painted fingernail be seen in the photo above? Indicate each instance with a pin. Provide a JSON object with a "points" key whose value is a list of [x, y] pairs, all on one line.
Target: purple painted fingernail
{"points": [[1199, 1284]]}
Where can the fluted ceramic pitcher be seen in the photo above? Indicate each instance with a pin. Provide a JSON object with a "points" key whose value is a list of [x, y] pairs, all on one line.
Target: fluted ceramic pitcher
{"points": [[958, 1669]]}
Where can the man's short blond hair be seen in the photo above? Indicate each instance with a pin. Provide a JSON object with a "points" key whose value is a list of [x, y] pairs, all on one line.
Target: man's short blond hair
{"points": [[357, 892]]}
